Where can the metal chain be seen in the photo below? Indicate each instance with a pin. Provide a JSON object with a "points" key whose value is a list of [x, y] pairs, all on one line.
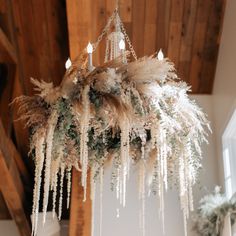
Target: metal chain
{"points": [[127, 38], [114, 15], [105, 30], [107, 51]]}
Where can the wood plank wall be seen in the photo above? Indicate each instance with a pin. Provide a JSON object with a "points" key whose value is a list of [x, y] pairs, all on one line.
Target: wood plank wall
{"points": [[41, 33], [80, 212]]}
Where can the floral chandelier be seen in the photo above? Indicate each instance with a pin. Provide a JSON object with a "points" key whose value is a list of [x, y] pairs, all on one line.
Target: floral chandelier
{"points": [[125, 112]]}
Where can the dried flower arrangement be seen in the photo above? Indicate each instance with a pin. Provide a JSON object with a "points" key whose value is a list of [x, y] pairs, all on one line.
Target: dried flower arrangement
{"points": [[212, 211], [135, 112]]}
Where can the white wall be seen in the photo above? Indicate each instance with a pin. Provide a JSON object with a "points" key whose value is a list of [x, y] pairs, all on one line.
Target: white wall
{"points": [[128, 222], [8, 228], [51, 228], [224, 93]]}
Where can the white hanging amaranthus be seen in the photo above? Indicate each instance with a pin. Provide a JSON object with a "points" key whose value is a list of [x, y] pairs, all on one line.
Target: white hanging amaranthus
{"points": [[49, 144], [92, 197], [39, 159], [124, 155], [101, 200], [68, 186], [84, 127], [142, 194], [55, 167]]}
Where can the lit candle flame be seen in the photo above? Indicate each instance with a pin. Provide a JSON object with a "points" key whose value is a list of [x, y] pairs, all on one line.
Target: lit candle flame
{"points": [[90, 48], [160, 55], [122, 44], [68, 63]]}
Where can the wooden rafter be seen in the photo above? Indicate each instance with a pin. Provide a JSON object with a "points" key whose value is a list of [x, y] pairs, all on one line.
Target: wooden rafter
{"points": [[7, 52], [80, 213], [4, 212], [11, 185], [15, 179], [9, 150], [8, 56], [21, 133], [6, 85]]}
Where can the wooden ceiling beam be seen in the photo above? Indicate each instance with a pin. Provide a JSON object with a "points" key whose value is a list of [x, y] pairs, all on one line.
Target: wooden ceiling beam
{"points": [[14, 86], [15, 79], [80, 212], [7, 51], [11, 185], [21, 132], [9, 149], [4, 212], [7, 72]]}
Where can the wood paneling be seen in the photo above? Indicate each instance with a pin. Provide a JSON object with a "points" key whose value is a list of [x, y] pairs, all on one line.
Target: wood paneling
{"points": [[138, 24], [185, 54], [175, 30], [41, 35], [162, 24], [78, 25], [211, 45], [188, 31], [150, 27], [200, 30]]}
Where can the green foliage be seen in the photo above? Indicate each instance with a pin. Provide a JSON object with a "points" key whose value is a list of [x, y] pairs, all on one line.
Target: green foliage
{"points": [[95, 98]]}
